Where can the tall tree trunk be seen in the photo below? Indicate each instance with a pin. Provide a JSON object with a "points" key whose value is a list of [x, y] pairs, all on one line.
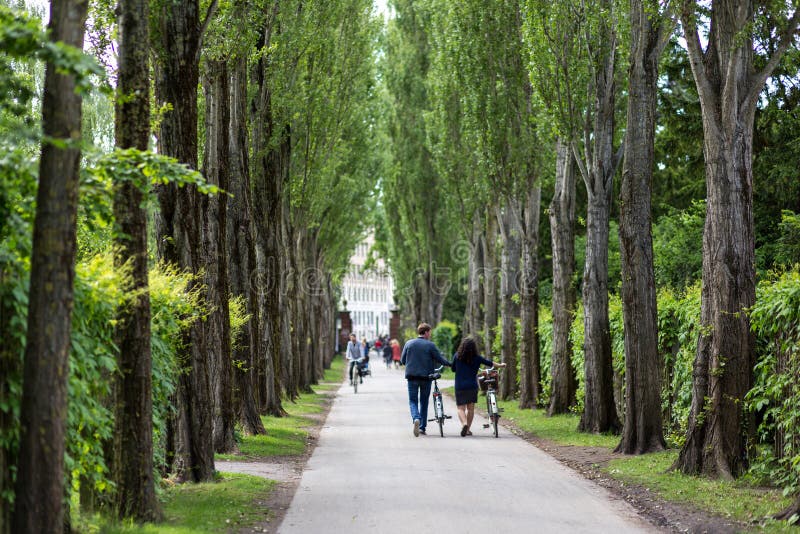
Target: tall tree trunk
{"points": [[132, 465], [530, 366], [643, 430], [179, 231], [729, 89], [267, 193], [473, 321], [490, 285], [562, 230], [598, 169], [39, 491], [288, 300], [241, 253], [510, 229], [216, 167], [302, 305]]}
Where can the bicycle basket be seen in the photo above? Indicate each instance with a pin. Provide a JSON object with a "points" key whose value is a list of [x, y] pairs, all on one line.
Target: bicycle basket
{"points": [[487, 378]]}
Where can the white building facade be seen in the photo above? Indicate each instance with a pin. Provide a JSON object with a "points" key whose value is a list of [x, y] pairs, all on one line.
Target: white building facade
{"points": [[368, 294]]}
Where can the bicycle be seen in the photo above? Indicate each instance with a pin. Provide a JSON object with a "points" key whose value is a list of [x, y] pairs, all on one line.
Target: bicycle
{"points": [[357, 375], [488, 379], [438, 405]]}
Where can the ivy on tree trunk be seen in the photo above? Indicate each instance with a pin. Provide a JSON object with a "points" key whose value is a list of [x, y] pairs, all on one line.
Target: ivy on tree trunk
{"points": [[39, 490]]}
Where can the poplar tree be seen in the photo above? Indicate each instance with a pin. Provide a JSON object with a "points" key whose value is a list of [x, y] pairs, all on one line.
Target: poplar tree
{"points": [[132, 464], [39, 488]]}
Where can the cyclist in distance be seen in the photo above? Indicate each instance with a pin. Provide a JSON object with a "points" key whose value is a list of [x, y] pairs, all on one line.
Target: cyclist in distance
{"points": [[419, 357], [466, 362], [353, 356]]}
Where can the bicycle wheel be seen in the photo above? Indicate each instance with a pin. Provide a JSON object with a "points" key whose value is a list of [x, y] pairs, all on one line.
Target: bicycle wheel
{"points": [[440, 415], [492, 407], [356, 378]]}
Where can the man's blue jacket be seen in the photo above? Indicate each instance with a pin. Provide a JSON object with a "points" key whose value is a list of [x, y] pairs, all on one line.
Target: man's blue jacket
{"points": [[419, 356]]}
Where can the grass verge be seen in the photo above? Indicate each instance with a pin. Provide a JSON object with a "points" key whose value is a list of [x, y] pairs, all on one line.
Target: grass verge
{"points": [[211, 507], [287, 436], [227, 504], [737, 500]]}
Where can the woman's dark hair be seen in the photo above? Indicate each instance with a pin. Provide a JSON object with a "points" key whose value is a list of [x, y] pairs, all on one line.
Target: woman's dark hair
{"points": [[467, 351]]}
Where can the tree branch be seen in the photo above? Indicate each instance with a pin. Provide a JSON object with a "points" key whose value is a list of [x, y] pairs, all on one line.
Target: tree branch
{"points": [[696, 53], [204, 27], [786, 40]]}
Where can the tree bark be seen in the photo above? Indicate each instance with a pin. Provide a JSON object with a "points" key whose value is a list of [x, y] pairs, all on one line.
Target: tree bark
{"points": [[562, 229], [39, 490], [599, 167], [180, 233], [643, 430], [530, 364], [473, 321], [216, 167], [267, 192], [288, 301], [490, 285], [729, 89], [510, 229], [789, 512], [241, 253], [132, 465]]}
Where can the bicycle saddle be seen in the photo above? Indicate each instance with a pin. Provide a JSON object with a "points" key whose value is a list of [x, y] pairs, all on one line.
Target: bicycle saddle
{"points": [[435, 376]]}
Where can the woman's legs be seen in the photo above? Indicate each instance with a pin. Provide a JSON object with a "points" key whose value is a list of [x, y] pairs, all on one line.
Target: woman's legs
{"points": [[462, 414], [470, 409]]}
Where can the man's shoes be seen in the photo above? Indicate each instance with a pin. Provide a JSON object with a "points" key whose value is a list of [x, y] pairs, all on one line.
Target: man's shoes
{"points": [[422, 431], [464, 430], [416, 427]]}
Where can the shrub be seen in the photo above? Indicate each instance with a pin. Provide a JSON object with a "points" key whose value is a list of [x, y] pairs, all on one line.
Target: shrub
{"points": [[775, 397], [443, 336]]}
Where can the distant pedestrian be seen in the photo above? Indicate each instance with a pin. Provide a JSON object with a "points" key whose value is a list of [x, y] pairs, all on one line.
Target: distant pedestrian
{"points": [[466, 362], [419, 356], [353, 356], [387, 355], [395, 353]]}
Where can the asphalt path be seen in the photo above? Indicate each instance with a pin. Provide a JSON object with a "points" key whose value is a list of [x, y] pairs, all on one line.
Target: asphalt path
{"points": [[370, 474]]}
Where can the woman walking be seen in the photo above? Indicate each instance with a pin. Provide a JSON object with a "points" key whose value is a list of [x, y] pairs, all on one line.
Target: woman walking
{"points": [[396, 353], [466, 363]]}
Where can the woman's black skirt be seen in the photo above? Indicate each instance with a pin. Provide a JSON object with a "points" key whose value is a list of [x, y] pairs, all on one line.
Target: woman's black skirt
{"points": [[466, 396]]}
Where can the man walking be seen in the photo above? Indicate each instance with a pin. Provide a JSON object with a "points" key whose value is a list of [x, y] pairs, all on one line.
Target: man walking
{"points": [[419, 356]]}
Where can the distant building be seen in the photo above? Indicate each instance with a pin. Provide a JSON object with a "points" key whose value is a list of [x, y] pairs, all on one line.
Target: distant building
{"points": [[368, 294]]}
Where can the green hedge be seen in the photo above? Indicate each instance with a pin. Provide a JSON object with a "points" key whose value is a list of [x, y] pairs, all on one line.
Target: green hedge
{"points": [[774, 399], [92, 361]]}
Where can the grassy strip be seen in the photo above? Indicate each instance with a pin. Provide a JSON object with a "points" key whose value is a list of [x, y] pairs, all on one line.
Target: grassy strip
{"points": [[226, 504], [287, 436], [738, 500]]}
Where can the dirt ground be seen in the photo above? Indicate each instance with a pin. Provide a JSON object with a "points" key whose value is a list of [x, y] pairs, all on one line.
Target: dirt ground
{"points": [[588, 461]]}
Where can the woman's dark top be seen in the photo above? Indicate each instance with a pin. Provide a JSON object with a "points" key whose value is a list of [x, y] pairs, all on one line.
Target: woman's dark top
{"points": [[466, 373]]}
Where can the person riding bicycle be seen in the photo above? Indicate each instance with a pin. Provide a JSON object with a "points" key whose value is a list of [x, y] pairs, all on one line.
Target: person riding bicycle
{"points": [[466, 362], [419, 356], [353, 354]]}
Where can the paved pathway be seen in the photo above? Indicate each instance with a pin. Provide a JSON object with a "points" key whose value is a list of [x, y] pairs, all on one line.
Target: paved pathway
{"points": [[369, 474]]}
